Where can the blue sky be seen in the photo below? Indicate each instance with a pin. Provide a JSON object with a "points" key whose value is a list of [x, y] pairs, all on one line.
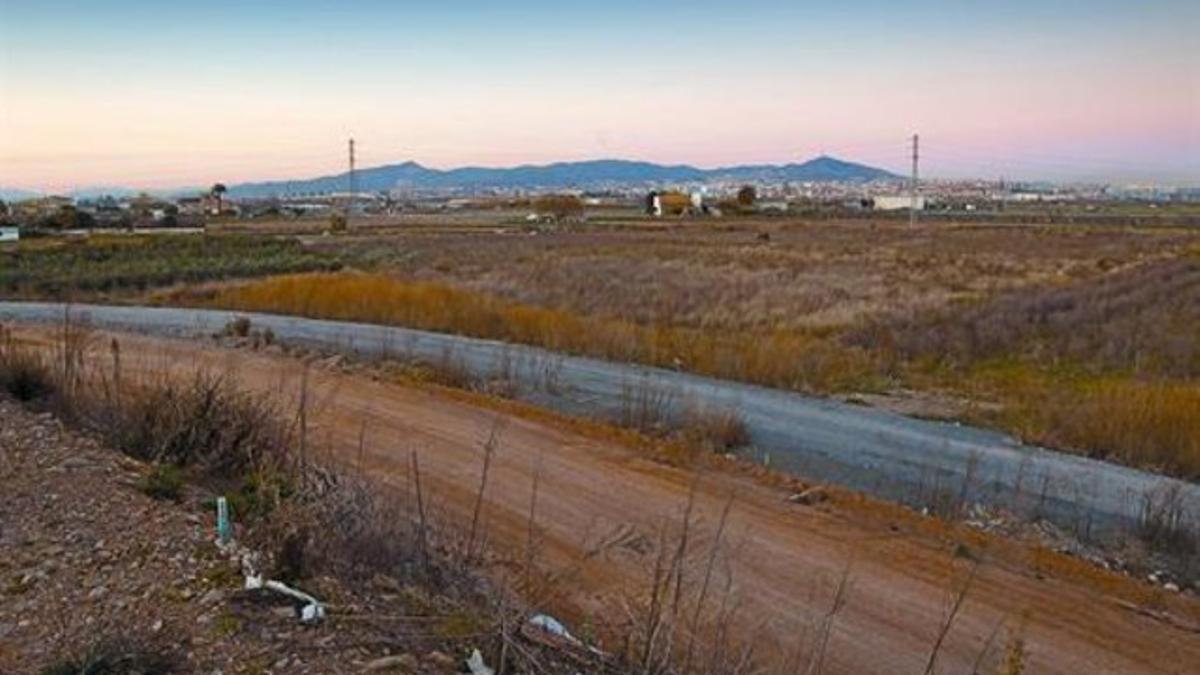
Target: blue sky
{"points": [[155, 94]]}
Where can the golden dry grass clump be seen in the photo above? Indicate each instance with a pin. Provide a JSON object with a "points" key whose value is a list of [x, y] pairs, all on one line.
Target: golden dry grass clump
{"points": [[784, 359]]}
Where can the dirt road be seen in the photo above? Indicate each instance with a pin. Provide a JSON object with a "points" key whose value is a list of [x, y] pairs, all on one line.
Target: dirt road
{"points": [[900, 458], [785, 559]]}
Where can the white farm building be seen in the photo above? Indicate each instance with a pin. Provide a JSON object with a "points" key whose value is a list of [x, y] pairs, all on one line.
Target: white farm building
{"points": [[896, 203]]}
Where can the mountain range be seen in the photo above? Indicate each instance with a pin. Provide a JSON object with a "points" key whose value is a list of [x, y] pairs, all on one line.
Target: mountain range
{"points": [[560, 175]]}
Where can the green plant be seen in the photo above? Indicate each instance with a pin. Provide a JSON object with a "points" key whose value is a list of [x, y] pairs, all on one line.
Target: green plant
{"points": [[165, 481], [227, 624], [105, 264]]}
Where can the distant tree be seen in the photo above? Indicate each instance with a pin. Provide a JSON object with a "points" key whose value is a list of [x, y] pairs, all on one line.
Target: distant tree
{"points": [[218, 192], [559, 207], [674, 203], [746, 196], [3, 209], [67, 217], [337, 222]]}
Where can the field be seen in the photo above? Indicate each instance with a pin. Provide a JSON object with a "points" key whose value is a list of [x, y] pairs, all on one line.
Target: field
{"points": [[1083, 338], [114, 265], [1080, 338]]}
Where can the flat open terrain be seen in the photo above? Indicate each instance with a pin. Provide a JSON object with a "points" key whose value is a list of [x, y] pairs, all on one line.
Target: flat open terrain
{"points": [[783, 560], [1084, 338], [723, 275], [1081, 338]]}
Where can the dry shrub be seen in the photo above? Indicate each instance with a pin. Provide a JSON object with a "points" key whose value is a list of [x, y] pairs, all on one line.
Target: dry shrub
{"points": [[1145, 320], [1151, 424], [118, 654], [24, 373], [1015, 657], [782, 359], [238, 327], [559, 207], [205, 422], [714, 429], [1166, 524]]}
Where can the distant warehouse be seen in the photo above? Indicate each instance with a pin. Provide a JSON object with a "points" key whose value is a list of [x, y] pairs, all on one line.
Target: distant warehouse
{"points": [[10, 234], [896, 203]]}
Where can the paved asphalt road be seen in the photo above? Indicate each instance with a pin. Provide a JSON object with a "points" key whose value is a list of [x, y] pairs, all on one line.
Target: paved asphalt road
{"points": [[884, 454]]}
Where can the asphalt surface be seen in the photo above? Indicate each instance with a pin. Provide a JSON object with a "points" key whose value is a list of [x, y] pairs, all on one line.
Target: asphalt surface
{"points": [[914, 461]]}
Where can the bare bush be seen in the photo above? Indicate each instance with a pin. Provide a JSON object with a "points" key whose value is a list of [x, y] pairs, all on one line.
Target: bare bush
{"points": [[204, 422], [119, 654], [24, 373], [1166, 523], [713, 429]]}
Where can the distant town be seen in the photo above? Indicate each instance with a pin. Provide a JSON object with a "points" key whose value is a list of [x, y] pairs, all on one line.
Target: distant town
{"points": [[569, 192]]}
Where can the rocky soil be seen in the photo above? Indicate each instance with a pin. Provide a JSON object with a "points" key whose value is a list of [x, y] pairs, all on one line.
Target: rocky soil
{"points": [[89, 565]]}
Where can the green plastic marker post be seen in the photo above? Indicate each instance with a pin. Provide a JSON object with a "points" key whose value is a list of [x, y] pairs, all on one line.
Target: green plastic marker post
{"points": [[223, 533]]}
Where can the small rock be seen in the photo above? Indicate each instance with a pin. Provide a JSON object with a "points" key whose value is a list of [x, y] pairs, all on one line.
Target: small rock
{"points": [[212, 597], [402, 662], [441, 659], [1171, 587]]}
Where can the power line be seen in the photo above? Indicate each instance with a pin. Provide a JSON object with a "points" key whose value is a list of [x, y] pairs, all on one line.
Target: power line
{"points": [[912, 206], [353, 186]]}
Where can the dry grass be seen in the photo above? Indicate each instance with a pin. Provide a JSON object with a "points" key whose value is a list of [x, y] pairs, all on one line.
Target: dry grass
{"points": [[1151, 424], [1144, 321], [720, 275], [1148, 421], [788, 360], [1101, 326]]}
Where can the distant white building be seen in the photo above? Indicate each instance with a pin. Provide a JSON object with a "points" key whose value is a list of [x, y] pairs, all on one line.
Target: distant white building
{"points": [[897, 203], [10, 234]]}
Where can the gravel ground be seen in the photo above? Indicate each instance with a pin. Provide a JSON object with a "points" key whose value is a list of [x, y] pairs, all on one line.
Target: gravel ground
{"points": [[86, 558]]}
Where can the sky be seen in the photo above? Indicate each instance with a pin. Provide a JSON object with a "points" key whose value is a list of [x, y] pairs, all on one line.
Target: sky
{"points": [[156, 94]]}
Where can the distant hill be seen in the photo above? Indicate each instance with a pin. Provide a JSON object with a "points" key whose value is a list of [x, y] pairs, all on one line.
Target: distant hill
{"points": [[18, 194], [561, 175]]}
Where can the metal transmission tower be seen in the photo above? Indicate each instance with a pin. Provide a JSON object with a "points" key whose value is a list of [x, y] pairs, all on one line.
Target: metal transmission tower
{"points": [[353, 185], [912, 188]]}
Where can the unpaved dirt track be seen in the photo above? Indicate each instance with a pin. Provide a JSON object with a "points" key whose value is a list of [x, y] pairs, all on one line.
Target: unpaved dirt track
{"points": [[788, 557], [900, 458]]}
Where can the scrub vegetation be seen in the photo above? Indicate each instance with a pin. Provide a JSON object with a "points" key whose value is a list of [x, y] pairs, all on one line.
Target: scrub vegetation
{"points": [[1082, 338], [118, 265], [1079, 338]]}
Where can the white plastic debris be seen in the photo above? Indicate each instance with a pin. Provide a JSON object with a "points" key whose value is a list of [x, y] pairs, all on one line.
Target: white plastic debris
{"points": [[312, 611], [553, 626], [476, 665]]}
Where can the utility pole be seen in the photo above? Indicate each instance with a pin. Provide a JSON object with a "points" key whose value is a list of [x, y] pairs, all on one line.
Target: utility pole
{"points": [[912, 207], [353, 186]]}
